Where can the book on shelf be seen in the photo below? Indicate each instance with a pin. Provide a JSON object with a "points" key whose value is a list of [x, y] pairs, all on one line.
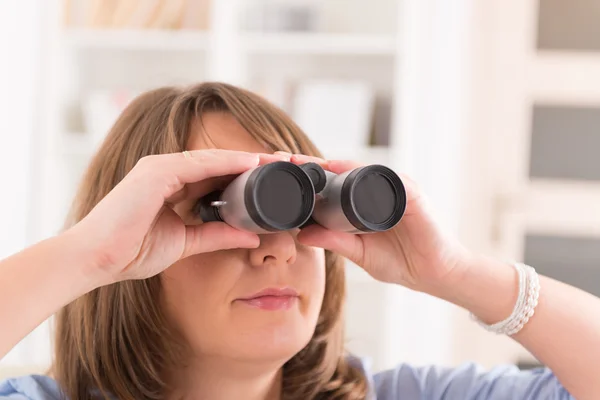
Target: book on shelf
{"points": [[336, 114], [339, 115], [101, 108], [137, 14]]}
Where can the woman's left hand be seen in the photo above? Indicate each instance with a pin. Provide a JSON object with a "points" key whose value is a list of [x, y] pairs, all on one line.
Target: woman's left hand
{"points": [[415, 253]]}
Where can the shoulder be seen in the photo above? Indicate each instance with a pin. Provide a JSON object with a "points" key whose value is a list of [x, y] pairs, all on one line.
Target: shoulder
{"points": [[30, 387], [468, 381]]}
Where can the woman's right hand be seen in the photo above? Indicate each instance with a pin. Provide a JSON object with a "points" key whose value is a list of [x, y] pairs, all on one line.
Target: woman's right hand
{"points": [[133, 233]]}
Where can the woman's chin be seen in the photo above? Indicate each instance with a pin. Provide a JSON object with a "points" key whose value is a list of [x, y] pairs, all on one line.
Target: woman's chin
{"points": [[272, 334]]}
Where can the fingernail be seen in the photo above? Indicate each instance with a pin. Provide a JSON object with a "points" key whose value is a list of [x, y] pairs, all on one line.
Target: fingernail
{"points": [[283, 155], [254, 157], [302, 157]]}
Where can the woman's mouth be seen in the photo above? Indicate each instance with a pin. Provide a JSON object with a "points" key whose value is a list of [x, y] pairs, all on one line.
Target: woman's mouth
{"points": [[272, 299]]}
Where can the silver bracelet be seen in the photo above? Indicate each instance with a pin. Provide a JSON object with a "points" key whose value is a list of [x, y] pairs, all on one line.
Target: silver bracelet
{"points": [[529, 292]]}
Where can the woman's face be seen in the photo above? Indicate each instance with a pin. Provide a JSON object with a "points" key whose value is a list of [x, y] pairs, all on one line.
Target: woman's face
{"points": [[214, 298]]}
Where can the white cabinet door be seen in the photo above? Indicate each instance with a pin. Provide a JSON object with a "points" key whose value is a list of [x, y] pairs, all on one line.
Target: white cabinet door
{"points": [[541, 103]]}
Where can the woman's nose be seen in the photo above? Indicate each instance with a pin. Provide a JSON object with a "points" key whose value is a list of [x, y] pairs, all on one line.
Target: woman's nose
{"points": [[275, 248]]}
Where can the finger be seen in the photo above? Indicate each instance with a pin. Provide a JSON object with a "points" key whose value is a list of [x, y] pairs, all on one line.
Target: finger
{"points": [[341, 166], [178, 196], [269, 158], [216, 163], [198, 189], [170, 172], [345, 244], [413, 192], [213, 236], [303, 159], [408, 181]]}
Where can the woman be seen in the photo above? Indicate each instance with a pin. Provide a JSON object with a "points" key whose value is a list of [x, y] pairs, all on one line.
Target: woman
{"points": [[154, 304]]}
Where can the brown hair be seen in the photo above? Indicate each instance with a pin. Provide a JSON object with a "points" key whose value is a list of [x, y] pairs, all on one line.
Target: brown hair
{"points": [[115, 340]]}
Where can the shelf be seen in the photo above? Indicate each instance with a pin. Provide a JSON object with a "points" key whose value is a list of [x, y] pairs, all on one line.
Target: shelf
{"points": [[565, 77], [117, 39], [252, 43], [556, 207], [318, 43]]}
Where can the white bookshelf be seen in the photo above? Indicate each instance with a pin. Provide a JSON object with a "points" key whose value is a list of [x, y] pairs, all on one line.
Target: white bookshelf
{"points": [[78, 60], [304, 43]]}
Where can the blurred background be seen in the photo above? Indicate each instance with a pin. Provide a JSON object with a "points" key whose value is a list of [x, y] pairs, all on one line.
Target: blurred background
{"points": [[492, 106]]}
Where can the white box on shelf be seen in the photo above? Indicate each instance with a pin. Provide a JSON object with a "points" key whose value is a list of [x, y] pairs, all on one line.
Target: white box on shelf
{"points": [[280, 15], [351, 16], [101, 108], [337, 115]]}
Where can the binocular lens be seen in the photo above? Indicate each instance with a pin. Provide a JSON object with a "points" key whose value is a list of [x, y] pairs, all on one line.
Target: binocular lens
{"points": [[370, 207], [373, 198], [279, 198], [273, 197]]}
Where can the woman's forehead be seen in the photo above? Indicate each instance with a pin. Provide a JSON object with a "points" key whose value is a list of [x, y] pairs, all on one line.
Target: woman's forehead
{"points": [[221, 130]]}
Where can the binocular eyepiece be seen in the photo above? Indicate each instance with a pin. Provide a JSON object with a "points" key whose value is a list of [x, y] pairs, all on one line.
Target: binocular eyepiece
{"points": [[282, 196]]}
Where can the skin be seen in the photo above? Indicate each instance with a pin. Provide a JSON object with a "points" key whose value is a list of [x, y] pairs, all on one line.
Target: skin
{"points": [[136, 232], [205, 290]]}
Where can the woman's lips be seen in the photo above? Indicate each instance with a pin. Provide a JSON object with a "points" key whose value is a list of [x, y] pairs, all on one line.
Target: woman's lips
{"points": [[271, 303], [272, 299]]}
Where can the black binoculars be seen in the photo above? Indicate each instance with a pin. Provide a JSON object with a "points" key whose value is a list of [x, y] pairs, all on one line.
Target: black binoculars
{"points": [[282, 196]]}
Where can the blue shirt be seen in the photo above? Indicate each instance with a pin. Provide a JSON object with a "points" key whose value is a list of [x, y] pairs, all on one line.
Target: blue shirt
{"points": [[466, 382]]}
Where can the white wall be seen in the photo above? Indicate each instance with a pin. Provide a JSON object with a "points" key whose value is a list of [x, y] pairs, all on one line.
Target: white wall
{"points": [[19, 35], [20, 38]]}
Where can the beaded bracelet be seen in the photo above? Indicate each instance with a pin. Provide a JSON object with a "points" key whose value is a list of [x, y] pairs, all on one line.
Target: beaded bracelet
{"points": [[529, 291]]}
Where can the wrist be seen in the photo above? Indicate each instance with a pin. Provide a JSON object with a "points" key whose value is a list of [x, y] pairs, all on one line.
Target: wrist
{"points": [[81, 256], [37, 282], [486, 287]]}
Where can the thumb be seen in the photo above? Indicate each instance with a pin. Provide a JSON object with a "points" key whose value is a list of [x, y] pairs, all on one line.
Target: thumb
{"points": [[213, 236], [345, 244]]}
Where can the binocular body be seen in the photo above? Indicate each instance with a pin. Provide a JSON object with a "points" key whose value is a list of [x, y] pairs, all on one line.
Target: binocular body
{"points": [[282, 196]]}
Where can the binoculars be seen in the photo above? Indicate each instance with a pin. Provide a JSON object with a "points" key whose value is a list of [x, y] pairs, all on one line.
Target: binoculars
{"points": [[282, 196]]}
